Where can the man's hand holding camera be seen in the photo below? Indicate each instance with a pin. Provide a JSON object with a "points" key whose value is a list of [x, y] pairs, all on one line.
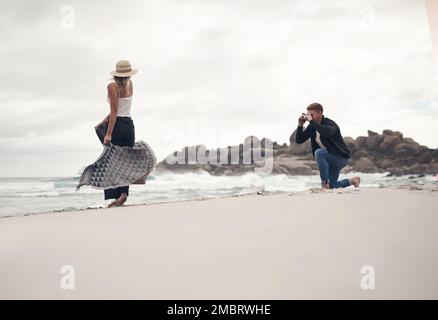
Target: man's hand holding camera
{"points": [[303, 118]]}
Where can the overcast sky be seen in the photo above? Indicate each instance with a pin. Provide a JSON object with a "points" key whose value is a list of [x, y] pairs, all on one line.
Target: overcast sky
{"points": [[210, 72]]}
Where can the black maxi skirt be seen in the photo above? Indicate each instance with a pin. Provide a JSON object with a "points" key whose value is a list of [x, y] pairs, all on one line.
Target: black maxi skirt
{"points": [[123, 135]]}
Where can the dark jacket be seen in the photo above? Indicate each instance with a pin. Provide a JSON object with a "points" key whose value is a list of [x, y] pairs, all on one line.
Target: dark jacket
{"points": [[330, 135]]}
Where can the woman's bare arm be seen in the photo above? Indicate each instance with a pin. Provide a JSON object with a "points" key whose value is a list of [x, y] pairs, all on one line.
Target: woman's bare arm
{"points": [[113, 96], [103, 121]]}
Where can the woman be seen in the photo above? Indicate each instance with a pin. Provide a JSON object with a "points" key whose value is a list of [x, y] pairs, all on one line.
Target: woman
{"points": [[120, 130]]}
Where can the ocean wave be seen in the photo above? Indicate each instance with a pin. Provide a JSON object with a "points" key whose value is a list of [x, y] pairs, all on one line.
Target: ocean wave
{"points": [[59, 194]]}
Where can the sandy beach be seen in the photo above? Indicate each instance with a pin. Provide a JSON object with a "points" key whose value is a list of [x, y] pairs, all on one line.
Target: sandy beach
{"points": [[300, 245]]}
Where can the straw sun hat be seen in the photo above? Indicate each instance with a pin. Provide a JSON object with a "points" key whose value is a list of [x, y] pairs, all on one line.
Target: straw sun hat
{"points": [[123, 69]]}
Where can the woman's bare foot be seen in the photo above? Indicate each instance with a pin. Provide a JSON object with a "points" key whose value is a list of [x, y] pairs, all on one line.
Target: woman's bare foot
{"points": [[119, 202], [325, 185], [355, 181], [112, 204]]}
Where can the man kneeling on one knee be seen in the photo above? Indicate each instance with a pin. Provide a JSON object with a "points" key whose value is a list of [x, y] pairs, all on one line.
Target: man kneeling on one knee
{"points": [[328, 147]]}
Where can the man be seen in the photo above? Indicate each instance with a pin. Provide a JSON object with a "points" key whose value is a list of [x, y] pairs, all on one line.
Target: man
{"points": [[328, 147]]}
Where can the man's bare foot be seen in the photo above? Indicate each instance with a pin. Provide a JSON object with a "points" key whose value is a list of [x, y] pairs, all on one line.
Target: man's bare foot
{"points": [[325, 185], [355, 181]]}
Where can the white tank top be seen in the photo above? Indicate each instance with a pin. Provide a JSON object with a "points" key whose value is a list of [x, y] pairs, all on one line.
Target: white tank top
{"points": [[124, 105]]}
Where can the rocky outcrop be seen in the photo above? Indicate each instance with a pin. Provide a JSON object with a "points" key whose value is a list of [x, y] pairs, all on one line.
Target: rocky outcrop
{"points": [[392, 152], [385, 152], [262, 156]]}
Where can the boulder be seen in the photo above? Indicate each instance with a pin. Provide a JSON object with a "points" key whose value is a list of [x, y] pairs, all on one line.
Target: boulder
{"points": [[415, 168], [435, 154], [293, 170], [299, 149], [404, 149], [361, 141], [425, 157], [351, 144], [409, 141], [434, 167], [373, 141], [365, 165], [398, 134], [385, 164], [389, 142]]}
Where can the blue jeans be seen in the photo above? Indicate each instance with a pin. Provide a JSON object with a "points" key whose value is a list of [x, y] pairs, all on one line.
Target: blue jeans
{"points": [[329, 167]]}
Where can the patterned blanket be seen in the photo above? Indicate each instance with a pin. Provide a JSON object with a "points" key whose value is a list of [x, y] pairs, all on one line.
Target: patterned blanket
{"points": [[119, 166]]}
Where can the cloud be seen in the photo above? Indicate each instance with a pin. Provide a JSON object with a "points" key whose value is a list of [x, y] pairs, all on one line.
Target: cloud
{"points": [[210, 72]]}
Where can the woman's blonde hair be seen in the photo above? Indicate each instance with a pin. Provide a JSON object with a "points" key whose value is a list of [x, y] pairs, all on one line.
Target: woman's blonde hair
{"points": [[122, 84]]}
